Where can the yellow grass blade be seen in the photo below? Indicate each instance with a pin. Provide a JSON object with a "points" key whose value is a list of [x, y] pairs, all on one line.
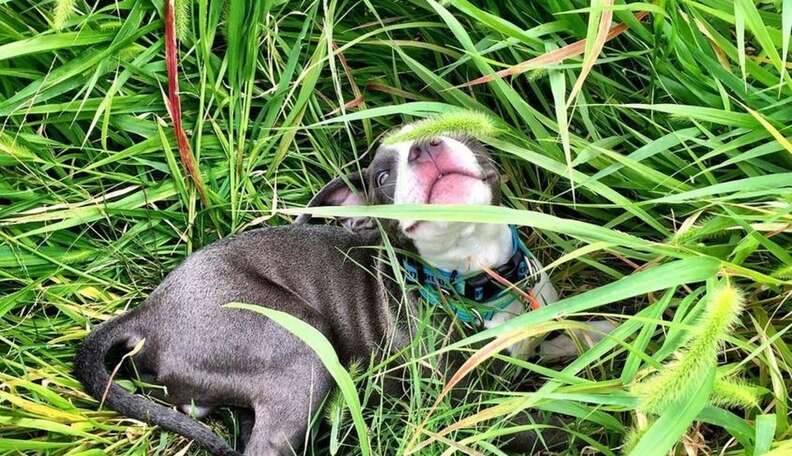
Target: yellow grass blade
{"points": [[596, 47]]}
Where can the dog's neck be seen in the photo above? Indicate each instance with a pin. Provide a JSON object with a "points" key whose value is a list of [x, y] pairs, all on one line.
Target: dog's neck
{"points": [[473, 247]]}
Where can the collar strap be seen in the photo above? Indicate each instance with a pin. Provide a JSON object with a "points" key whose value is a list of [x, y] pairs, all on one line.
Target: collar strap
{"points": [[480, 287]]}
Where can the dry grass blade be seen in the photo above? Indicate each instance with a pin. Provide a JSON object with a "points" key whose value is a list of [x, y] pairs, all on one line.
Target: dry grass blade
{"points": [[452, 445], [595, 49], [484, 415], [135, 350], [527, 296], [770, 129], [553, 57]]}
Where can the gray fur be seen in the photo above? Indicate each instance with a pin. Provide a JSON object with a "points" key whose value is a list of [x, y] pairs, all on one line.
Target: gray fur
{"points": [[213, 356]]}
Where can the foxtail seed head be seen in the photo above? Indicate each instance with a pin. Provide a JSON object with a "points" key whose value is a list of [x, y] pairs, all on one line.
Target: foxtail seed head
{"points": [[470, 123], [693, 361]]}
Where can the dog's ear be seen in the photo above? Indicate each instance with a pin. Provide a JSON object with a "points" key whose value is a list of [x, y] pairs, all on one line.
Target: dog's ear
{"points": [[342, 191]]}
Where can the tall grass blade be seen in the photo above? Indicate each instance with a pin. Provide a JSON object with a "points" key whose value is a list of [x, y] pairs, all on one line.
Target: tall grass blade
{"points": [[595, 41]]}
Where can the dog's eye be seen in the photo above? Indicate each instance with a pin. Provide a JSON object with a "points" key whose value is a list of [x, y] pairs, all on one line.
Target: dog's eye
{"points": [[382, 176]]}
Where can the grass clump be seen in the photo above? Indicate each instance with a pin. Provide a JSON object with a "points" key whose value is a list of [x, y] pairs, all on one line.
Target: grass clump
{"points": [[656, 178]]}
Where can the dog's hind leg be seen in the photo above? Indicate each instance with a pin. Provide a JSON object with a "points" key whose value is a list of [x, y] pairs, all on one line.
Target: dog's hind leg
{"points": [[283, 412]]}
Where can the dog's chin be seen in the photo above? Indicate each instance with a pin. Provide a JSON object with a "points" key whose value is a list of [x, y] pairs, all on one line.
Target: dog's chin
{"points": [[432, 231], [426, 230]]}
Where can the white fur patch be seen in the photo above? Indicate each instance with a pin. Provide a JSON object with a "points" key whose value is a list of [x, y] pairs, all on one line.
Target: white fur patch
{"points": [[569, 345]]}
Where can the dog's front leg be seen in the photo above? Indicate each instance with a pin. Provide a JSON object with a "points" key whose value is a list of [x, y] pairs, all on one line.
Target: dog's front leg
{"points": [[570, 344]]}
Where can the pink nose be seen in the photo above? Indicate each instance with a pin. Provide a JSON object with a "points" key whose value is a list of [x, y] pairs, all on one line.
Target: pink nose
{"points": [[426, 151]]}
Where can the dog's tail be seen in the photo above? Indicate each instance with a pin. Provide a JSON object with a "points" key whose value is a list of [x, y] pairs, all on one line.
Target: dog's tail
{"points": [[90, 369]]}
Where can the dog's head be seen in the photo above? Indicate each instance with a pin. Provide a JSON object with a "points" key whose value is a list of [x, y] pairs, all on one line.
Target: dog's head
{"points": [[447, 169]]}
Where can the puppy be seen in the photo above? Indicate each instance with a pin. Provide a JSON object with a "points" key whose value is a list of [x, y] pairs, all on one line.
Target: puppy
{"points": [[207, 356]]}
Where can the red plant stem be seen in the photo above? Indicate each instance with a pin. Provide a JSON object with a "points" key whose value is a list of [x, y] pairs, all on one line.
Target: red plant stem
{"points": [[174, 102]]}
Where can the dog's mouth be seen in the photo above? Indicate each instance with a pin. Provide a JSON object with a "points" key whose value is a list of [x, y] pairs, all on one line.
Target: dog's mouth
{"points": [[455, 186], [447, 176], [490, 178], [451, 187]]}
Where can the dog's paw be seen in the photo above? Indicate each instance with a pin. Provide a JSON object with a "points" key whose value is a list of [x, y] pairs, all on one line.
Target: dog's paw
{"points": [[569, 345]]}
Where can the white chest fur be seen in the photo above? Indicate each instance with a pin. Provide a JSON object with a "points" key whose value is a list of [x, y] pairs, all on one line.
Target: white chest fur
{"points": [[465, 247]]}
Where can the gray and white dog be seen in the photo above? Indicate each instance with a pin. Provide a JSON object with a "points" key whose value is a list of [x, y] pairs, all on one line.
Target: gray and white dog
{"points": [[207, 356]]}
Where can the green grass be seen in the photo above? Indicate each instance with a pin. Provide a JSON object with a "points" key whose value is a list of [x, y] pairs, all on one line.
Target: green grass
{"points": [[669, 169]]}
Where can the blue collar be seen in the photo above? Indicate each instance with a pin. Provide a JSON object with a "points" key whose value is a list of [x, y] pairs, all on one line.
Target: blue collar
{"points": [[476, 296]]}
